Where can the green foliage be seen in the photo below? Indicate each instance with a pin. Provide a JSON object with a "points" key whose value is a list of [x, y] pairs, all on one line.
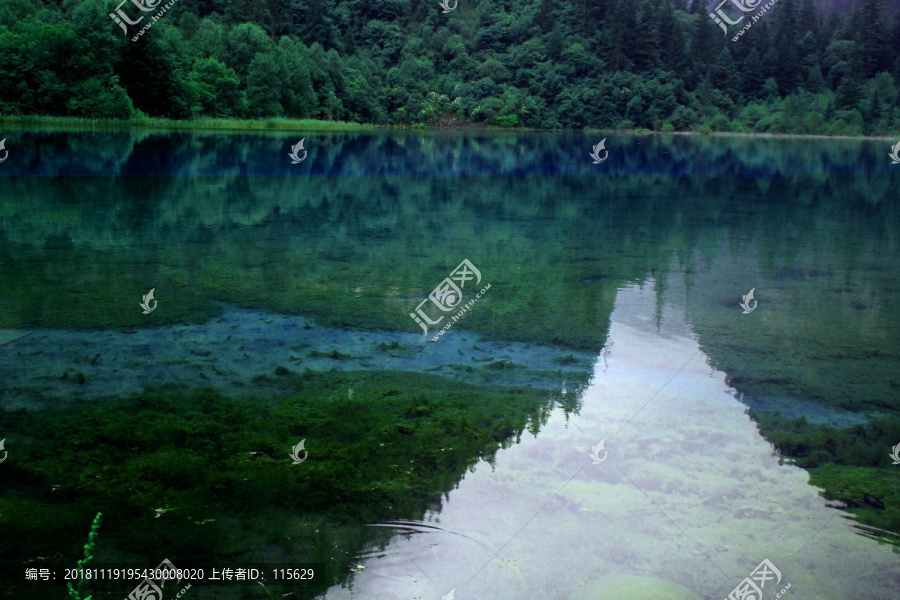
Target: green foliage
{"points": [[873, 495], [77, 592], [852, 465], [141, 120], [218, 86], [810, 445], [616, 64]]}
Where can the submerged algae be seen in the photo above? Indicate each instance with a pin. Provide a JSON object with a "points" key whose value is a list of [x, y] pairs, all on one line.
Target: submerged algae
{"points": [[198, 476], [852, 465], [209, 355], [872, 495]]}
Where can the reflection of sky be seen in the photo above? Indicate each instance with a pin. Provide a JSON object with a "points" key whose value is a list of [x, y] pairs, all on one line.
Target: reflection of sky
{"points": [[690, 493]]}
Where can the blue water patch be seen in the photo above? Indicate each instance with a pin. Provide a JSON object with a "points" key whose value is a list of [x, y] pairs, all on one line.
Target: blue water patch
{"points": [[243, 344], [813, 412]]}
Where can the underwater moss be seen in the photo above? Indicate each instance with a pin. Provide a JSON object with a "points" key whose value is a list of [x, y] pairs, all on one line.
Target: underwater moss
{"points": [[502, 364], [872, 494], [570, 360], [852, 465], [394, 345], [334, 354], [176, 472]]}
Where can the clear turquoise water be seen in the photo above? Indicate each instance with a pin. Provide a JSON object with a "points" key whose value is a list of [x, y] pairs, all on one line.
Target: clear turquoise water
{"points": [[633, 269]]}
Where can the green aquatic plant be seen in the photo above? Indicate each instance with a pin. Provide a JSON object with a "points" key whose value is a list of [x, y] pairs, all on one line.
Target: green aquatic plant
{"points": [[383, 452], [501, 365], [570, 360], [394, 345], [851, 465], [76, 592], [565, 360], [334, 354]]}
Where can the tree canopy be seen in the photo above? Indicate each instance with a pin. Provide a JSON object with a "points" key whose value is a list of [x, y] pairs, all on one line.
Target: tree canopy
{"points": [[538, 63]]}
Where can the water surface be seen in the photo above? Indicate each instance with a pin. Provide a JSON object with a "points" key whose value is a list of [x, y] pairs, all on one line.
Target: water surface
{"points": [[615, 292]]}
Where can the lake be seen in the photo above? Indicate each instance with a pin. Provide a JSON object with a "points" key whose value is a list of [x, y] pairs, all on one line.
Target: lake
{"points": [[660, 371]]}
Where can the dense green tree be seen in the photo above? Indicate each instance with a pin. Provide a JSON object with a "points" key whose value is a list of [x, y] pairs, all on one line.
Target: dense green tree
{"points": [[98, 99], [809, 21], [848, 94], [815, 83], [787, 54], [385, 41], [265, 91], [725, 76], [751, 79], [706, 41], [219, 89], [298, 99], [547, 63], [673, 50], [244, 42], [873, 36]]}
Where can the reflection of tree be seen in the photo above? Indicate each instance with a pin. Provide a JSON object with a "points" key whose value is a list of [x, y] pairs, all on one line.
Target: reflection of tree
{"points": [[375, 221], [825, 329]]}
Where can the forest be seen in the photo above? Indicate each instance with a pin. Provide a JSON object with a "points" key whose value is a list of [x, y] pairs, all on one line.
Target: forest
{"points": [[603, 64]]}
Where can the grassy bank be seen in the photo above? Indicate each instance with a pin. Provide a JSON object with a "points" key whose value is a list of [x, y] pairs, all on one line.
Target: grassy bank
{"points": [[277, 123], [285, 124]]}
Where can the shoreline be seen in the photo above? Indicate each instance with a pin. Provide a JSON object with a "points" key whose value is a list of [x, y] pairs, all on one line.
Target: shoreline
{"points": [[301, 125]]}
